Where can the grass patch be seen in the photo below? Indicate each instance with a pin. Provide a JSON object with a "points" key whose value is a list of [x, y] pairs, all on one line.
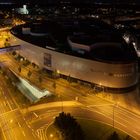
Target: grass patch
{"points": [[99, 131], [93, 130]]}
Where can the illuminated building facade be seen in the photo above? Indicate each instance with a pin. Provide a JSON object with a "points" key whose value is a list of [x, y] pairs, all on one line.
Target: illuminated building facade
{"points": [[106, 63]]}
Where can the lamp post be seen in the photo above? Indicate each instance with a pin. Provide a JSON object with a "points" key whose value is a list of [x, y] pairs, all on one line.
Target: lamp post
{"points": [[61, 102], [101, 87]]}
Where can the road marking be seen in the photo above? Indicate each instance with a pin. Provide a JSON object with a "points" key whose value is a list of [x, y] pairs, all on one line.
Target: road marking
{"points": [[116, 112], [19, 124], [29, 126], [106, 116], [136, 132], [99, 105], [5, 103], [53, 110], [9, 105], [2, 114], [23, 133], [14, 100], [33, 135], [35, 114], [3, 132], [123, 109], [41, 133]]}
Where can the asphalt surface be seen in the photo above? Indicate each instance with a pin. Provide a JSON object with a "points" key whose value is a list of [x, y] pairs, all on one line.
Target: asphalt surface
{"points": [[32, 121]]}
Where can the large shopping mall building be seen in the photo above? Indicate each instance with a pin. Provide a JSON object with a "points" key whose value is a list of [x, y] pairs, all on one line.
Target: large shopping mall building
{"points": [[88, 50]]}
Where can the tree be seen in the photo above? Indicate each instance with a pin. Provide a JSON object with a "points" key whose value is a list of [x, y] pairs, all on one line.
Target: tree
{"points": [[127, 137], [33, 64], [54, 85], [14, 53], [29, 73], [68, 127], [40, 79], [69, 79], [114, 136], [6, 43], [19, 69]]}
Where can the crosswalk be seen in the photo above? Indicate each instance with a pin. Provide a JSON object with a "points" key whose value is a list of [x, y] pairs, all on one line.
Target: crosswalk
{"points": [[42, 133]]}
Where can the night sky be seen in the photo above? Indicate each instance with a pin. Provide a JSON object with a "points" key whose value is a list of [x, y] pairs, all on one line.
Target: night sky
{"points": [[77, 1]]}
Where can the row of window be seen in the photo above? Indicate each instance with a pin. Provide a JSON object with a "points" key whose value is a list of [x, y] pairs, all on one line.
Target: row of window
{"points": [[116, 74], [119, 75]]}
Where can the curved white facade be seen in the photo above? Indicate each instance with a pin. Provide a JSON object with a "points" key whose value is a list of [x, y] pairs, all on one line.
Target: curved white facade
{"points": [[101, 73]]}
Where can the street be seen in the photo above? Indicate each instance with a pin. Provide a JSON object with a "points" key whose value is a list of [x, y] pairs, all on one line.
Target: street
{"points": [[31, 122]]}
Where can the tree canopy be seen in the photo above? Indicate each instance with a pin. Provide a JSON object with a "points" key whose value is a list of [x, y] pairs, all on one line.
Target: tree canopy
{"points": [[68, 127]]}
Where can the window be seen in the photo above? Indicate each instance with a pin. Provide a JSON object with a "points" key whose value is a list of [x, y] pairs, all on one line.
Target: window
{"points": [[47, 59]]}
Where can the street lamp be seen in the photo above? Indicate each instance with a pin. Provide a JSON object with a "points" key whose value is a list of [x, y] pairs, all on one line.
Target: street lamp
{"points": [[101, 87], [51, 135], [60, 97], [115, 105]]}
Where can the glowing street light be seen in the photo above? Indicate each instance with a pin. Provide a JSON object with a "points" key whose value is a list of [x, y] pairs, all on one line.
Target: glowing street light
{"points": [[101, 87], [11, 121], [51, 135]]}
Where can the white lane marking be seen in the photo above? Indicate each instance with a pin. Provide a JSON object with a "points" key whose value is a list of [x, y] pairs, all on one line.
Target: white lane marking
{"points": [[35, 114], [2, 114], [29, 126], [19, 124], [136, 115], [40, 134], [115, 112], [10, 101], [116, 115], [53, 110], [5, 103], [3, 93], [14, 101], [3, 132], [133, 117], [107, 117], [1, 109], [99, 105], [9, 105], [23, 133], [136, 132], [33, 134]]}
